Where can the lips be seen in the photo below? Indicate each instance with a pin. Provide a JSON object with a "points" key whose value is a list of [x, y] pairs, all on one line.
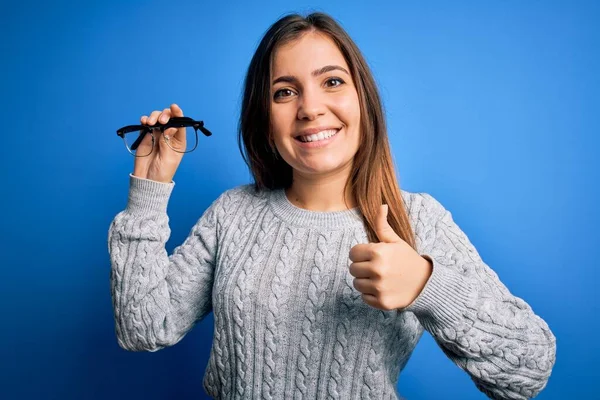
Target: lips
{"points": [[317, 129], [322, 135], [318, 143]]}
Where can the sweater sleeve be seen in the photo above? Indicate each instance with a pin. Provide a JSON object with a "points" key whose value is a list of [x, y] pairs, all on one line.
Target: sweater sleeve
{"points": [[494, 336], [157, 298]]}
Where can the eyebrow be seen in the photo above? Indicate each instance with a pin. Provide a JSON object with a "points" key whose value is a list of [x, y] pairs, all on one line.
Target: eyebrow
{"points": [[315, 73]]}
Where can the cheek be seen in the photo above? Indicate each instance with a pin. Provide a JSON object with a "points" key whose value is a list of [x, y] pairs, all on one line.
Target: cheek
{"points": [[279, 121], [282, 113], [349, 108]]}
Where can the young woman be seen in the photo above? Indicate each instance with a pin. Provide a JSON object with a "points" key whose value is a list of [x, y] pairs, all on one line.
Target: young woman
{"points": [[322, 274]]}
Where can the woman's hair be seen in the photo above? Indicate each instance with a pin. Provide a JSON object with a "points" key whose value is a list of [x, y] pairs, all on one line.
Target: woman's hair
{"points": [[373, 181]]}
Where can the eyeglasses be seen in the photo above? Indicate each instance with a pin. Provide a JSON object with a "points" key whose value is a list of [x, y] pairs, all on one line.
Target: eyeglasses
{"points": [[139, 139]]}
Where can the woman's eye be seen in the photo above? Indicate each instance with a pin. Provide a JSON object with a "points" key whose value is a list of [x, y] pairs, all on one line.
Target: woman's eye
{"points": [[335, 79], [278, 93], [285, 92]]}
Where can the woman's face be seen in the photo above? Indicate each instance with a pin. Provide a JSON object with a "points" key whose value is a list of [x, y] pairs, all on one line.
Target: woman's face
{"points": [[312, 90]]}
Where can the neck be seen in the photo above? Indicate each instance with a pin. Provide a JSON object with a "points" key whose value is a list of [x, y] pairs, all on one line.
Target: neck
{"points": [[324, 193]]}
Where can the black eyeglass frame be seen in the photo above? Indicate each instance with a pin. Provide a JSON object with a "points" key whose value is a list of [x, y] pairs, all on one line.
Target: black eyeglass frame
{"points": [[174, 122]]}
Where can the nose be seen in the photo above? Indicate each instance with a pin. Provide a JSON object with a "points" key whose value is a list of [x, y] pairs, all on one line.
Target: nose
{"points": [[311, 105]]}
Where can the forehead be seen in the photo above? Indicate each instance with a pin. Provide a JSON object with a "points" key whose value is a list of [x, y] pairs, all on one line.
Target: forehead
{"points": [[305, 54]]}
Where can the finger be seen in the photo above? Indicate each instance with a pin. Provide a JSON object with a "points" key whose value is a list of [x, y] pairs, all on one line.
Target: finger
{"points": [[164, 116], [364, 286], [180, 135], [143, 119], [361, 252], [361, 269], [153, 118], [370, 300], [176, 111]]}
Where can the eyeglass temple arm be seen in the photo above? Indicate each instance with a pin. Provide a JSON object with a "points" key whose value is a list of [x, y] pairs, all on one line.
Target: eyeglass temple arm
{"points": [[204, 130], [137, 142]]}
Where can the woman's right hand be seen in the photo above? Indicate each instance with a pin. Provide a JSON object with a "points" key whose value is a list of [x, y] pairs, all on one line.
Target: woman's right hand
{"points": [[162, 163]]}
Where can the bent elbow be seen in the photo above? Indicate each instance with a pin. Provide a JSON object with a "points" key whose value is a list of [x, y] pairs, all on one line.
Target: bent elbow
{"points": [[139, 346], [133, 341]]}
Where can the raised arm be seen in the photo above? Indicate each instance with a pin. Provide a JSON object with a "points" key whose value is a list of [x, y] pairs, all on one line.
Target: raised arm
{"points": [[158, 298], [495, 337]]}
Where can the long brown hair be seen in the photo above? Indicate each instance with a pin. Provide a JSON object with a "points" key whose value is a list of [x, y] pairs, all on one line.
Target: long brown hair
{"points": [[373, 181]]}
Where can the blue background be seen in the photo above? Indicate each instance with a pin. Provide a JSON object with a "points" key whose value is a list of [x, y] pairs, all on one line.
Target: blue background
{"points": [[492, 108]]}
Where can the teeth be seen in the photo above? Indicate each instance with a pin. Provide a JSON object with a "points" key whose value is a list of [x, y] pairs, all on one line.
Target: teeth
{"points": [[319, 136]]}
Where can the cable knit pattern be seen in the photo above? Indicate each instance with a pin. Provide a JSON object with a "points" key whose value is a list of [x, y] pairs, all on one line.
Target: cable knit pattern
{"points": [[348, 316], [289, 322], [280, 287], [313, 316]]}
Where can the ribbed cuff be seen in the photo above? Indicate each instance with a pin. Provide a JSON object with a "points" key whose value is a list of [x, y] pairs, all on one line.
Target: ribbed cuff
{"points": [[147, 196], [446, 298]]}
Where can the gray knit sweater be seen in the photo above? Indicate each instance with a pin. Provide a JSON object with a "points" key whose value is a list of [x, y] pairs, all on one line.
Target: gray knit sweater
{"points": [[288, 322]]}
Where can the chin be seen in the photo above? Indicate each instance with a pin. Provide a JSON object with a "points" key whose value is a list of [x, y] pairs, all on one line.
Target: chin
{"points": [[319, 167]]}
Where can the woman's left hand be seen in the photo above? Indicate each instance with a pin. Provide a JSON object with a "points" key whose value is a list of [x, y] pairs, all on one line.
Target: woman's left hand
{"points": [[389, 274]]}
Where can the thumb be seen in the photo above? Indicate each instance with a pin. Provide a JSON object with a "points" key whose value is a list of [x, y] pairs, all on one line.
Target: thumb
{"points": [[383, 229]]}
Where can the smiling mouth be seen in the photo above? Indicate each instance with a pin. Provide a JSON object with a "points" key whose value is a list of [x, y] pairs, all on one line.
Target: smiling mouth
{"points": [[325, 135]]}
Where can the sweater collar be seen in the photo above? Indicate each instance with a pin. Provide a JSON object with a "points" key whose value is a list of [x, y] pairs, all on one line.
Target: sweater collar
{"points": [[288, 212]]}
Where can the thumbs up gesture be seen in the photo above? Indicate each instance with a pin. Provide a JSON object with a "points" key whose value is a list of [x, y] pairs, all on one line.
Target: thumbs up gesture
{"points": [[389, 274]]}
